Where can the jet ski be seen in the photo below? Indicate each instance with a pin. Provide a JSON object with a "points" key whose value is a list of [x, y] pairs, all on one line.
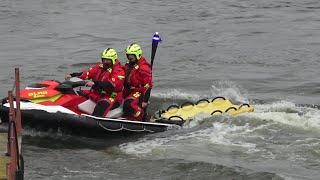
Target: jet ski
{"points": [[51, 104]]}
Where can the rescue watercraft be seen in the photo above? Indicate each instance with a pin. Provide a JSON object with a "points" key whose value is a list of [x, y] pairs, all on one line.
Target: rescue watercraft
{"points": [[52, 105]]}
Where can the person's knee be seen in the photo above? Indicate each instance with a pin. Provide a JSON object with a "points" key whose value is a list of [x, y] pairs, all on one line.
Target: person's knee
{"points": [[103, 103], [100, 108]]}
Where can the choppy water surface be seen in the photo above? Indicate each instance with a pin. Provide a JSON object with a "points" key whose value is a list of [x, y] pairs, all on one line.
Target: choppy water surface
{"points": [[262, 52]]}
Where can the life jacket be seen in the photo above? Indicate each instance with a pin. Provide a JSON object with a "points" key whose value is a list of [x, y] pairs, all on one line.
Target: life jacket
{"points": [[114, 75], [138, 77]]}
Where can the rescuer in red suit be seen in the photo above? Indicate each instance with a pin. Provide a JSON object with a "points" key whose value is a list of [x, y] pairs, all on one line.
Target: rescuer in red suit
{"points": [[138, 84], [107, 82]]}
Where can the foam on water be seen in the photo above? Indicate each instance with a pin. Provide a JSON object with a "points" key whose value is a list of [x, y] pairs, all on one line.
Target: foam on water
{"points": [[288, 113], [196, 120], [55, 134], [219, 133], [205, 136]]}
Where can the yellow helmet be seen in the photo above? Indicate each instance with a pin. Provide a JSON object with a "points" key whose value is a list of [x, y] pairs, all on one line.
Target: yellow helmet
{"points": [[109, 54], [134, 49]]}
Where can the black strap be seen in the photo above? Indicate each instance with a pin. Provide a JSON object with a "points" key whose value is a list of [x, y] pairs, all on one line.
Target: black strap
{"points": [[126, 83], [147, 95]]}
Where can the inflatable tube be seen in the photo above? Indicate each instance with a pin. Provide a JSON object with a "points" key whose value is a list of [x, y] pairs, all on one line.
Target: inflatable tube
{"points": [[218, 105]]}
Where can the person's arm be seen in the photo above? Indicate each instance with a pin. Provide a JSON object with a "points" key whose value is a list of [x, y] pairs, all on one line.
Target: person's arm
{"points": [[105, 85], [115, 84], [87, 74]]}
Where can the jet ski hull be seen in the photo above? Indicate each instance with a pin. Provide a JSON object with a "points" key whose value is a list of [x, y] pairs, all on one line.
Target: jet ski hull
{"points": [[82, 124]]}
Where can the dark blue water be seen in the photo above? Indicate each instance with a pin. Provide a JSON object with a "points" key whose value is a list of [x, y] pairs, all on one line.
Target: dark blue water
{"points": [[262, 52]]}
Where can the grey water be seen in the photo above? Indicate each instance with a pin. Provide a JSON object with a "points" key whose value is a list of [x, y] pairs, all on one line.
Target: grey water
{"points": [[262, 52]]}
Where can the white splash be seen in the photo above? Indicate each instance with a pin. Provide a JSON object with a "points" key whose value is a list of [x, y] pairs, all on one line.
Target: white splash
{"points": [[197, 120], [279, 106], [229, 90], [287, 113], [219, 133]]}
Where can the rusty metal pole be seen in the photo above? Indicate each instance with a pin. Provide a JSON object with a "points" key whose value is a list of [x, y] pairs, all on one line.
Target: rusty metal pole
{"points": [[11, 149], [12, 114], [13, 165], [11, 118], [18, 133], [18, 112]]}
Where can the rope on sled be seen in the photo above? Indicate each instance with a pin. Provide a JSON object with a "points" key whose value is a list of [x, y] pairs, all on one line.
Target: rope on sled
{"points": [[124, 128], [113, 130]]}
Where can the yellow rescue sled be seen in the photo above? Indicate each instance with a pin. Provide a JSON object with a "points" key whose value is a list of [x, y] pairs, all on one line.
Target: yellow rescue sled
{"points": [[216, 106]]}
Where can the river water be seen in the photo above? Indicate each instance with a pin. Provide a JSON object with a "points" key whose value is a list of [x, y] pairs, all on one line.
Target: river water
{"points": [[262, 52]]}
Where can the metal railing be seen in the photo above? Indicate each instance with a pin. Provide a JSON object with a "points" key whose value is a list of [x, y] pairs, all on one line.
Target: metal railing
{"points": [[15, 167]]}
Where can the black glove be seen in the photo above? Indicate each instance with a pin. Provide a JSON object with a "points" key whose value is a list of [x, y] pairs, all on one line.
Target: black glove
{"points": [[103, 85]]}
